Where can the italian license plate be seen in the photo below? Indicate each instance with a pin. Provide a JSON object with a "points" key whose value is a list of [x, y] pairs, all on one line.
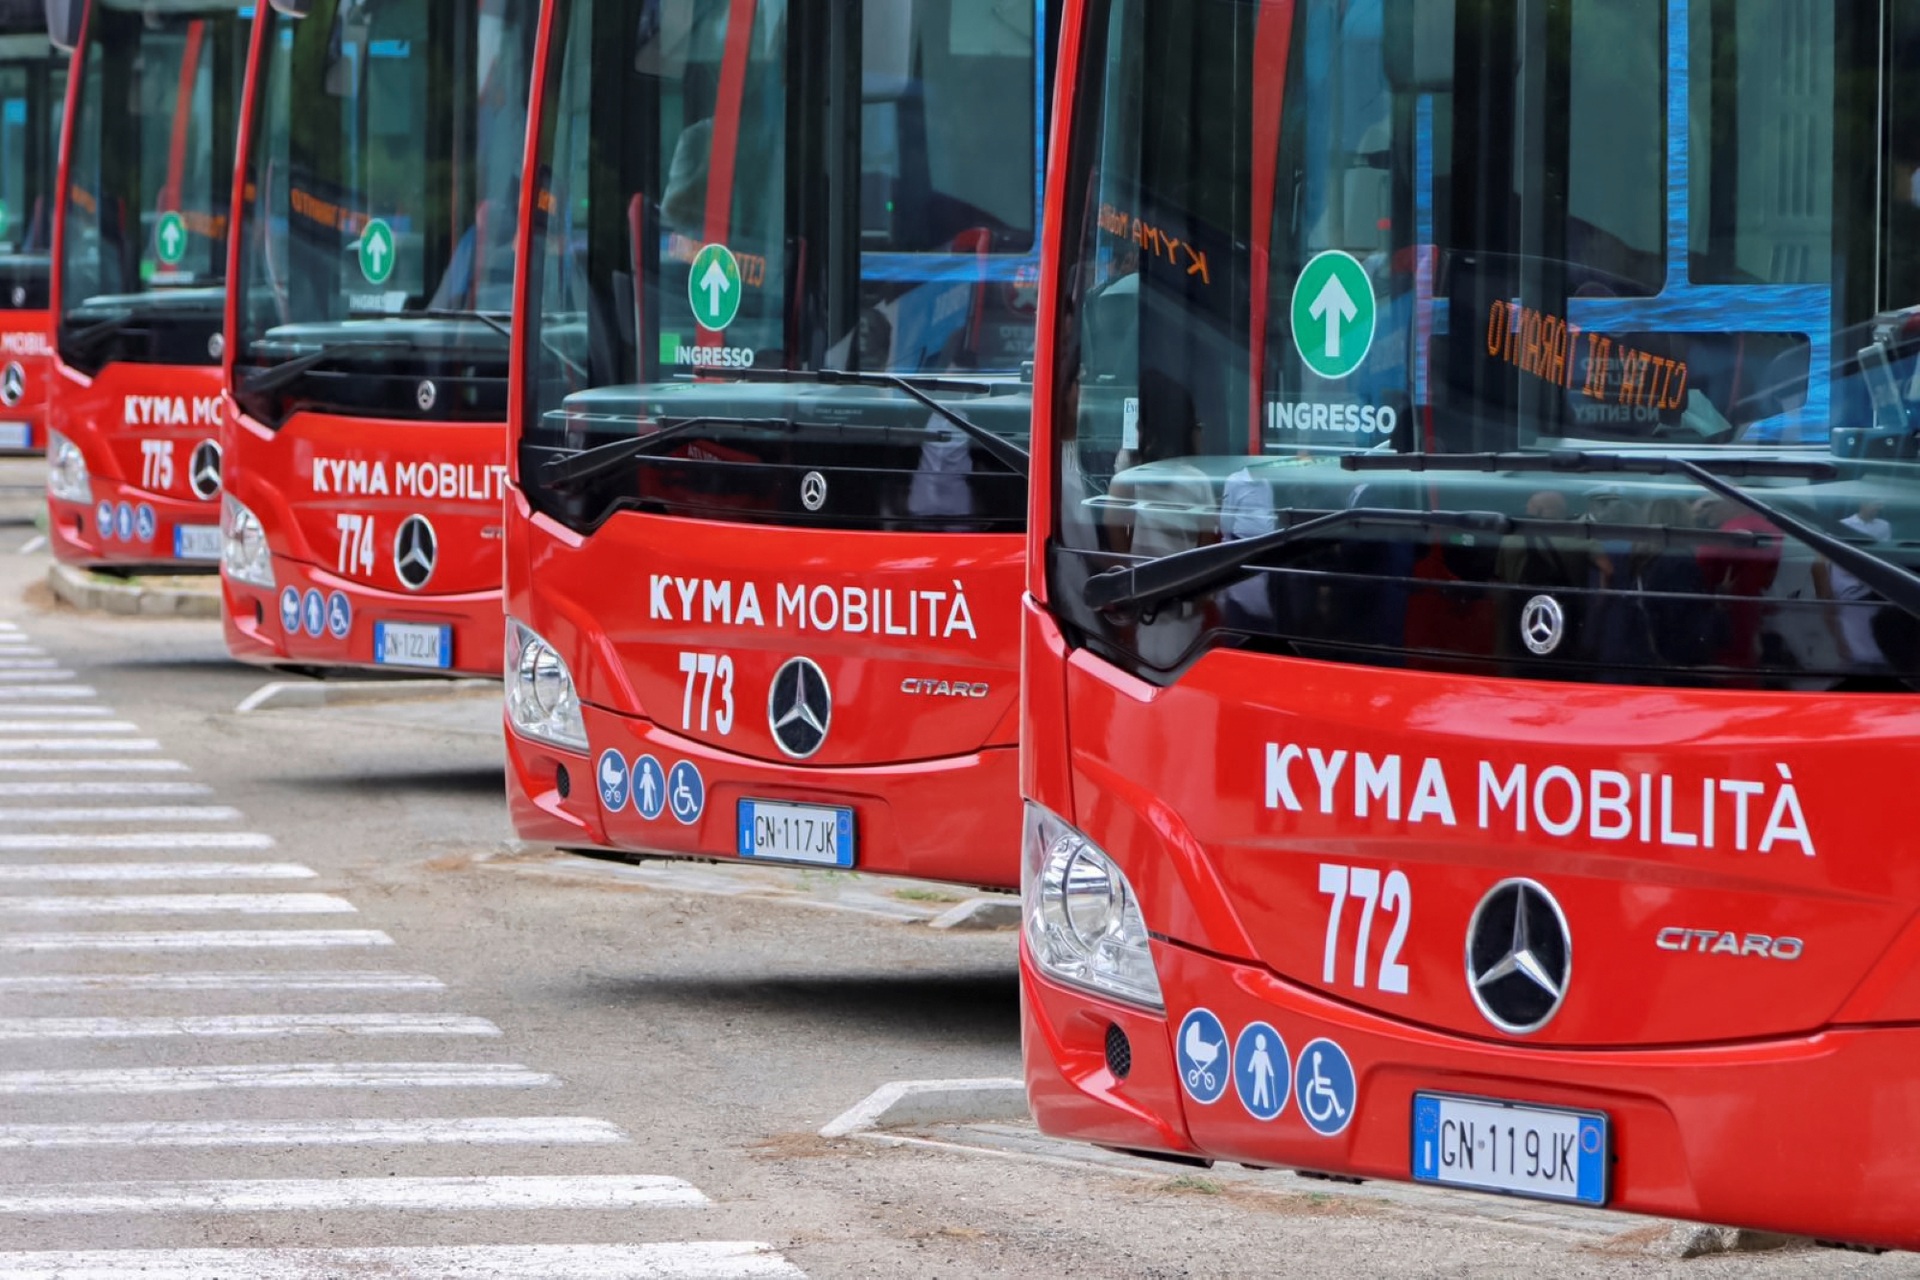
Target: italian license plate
{"points": [[196, 542], [413, 644], [1487, 1145], [817, 834], [15, 435]]}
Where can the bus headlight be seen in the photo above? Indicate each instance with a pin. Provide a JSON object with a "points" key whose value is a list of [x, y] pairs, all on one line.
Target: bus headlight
{"points": [[67, 477], [541, 700], [1083, 923], [244, 554]]}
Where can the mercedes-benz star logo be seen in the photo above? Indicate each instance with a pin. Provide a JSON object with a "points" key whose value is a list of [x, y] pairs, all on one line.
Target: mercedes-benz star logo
{"points": [[1519, 956], [216, 346], [1543, 625], [800, 707], [414, 549], [813, 491], [425, 394], [203, 470], [19, 295], [13, 384]]}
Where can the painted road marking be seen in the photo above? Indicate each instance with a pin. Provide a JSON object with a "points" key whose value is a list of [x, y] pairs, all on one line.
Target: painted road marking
{"points": [[173, 904], [68, 710], [253, 1026], [64, 790], [343, 1195], [234, 980], [92, 871], [126, 813], [36, 677], [494, 1130], [139, 840], [62, 726], [701, 1260], [197, 940], [92, 766], [291, 1075], [27, 664], [36, 745], [49, 691]]}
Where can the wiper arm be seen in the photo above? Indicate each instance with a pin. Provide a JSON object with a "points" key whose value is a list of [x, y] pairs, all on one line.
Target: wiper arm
{"points": [[590, 464], [85, 340], [1005, 452], [501, 322], [1583, 462], [273, 378]]}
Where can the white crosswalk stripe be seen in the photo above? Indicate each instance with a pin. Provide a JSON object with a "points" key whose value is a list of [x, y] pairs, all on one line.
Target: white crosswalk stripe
{"points": [[79, 787]]}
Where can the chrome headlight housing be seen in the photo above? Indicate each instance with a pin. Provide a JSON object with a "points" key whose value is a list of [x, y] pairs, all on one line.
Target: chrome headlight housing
{"points": [[541, 701], [1083, 922], [244, 554], [67, 477]]}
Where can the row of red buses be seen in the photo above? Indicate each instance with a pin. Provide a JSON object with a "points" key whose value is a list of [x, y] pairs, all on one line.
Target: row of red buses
{"points": [[1471, 619], [33, 82], [375, 206], [769, 431], [138, 293]]}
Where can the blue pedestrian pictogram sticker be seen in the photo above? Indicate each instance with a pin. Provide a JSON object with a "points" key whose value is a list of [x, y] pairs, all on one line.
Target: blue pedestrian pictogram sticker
{"points": [[313, 613], [649, 788], [615, 783], [290, 611], [103, 518], [686, 793], [1201, 1054], [123, 522], [1262, 1072], [145, 523], [339, 615], [1324, 1085]]}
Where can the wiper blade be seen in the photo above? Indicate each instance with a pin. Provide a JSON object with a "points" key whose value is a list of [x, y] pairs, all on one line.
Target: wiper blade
{"points": [[1187, 572], [590, 464], [85, 340], [1583, 462], [273, 378], [501, 322], [1005, 452]]}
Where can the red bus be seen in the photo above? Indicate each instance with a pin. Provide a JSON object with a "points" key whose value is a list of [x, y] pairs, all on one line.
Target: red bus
{"points": [[367, 325], [764, 526], [33, 90], [1471, 605], [140, 239]]}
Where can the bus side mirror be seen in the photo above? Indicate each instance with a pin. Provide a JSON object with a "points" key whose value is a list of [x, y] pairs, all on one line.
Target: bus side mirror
{"points": [[64, 19], [1418, 45], [288, 8]]}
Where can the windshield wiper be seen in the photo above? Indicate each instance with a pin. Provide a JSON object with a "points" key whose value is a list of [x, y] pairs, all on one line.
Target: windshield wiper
{"points": [[1897, 584], [84, 341], [590, 464], [1185, 573], [1005, 452], [273, 378], [500, 322]]}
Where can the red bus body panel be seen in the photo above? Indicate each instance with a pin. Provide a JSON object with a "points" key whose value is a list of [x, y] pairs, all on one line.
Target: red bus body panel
{"points": [[26, 339]]}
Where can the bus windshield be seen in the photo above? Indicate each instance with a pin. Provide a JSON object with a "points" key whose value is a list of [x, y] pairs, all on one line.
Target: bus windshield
{"points": [[1512, 331], [144, 249], [740, 199], [33, 87], [383, 190]]}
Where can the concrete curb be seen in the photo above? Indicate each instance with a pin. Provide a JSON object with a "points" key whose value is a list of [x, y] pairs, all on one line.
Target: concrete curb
{"points": [[294, 695], [980, 915], [921, 1102], [133, 598]]}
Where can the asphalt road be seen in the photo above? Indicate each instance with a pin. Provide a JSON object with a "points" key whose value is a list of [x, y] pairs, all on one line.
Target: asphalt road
{"points": [[280, 996]]}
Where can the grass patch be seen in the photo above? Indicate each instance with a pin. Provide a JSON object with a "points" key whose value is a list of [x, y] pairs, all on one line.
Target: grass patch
{"points": [[1193, 1184], [927, 895]]}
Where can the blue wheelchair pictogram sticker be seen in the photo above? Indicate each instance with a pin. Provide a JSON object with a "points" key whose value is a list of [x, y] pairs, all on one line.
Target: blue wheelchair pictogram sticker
{"points": [[339, 615], [313, 613], [1262, 1071], [290, 611], [123, 522], [615, 783], [103, 518], [1324, 1084], [686, 793], [649, 788], [145, 523], [1201, 1054]]}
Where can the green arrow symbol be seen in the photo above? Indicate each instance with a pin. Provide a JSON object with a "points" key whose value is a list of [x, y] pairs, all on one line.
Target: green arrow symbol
{"points": [[170, 237], [376, 251], [1334, 315], [713, 287]]}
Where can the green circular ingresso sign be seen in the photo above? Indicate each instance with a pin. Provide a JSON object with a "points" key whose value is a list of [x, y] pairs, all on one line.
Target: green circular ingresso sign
{"points": [[713, 287], [1333, 314]]}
